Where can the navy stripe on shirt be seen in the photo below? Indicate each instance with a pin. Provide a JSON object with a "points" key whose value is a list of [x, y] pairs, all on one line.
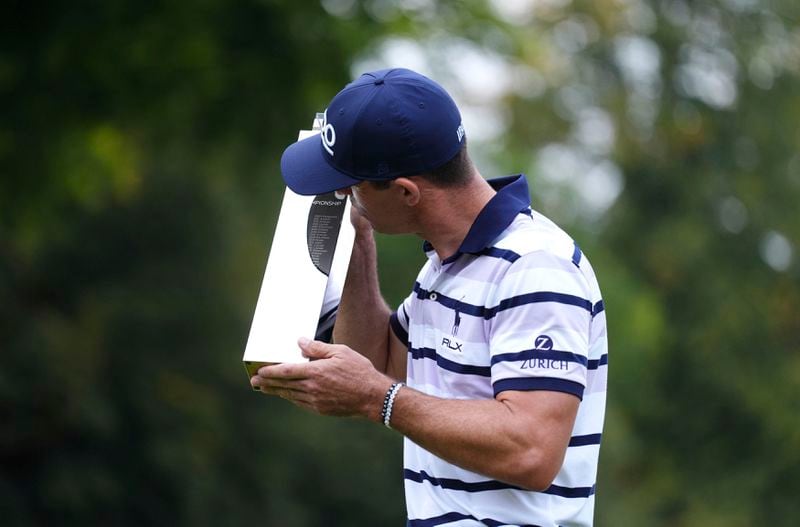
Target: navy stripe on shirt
{"points": [[539, 296], [505, 254], [447, 364], [538, 383], [576, 255], [491, 484], [456, 516], [585, 440], [570, 492], [508, 303], [596, 363], [457, 484], [398, 329], [532, 354]]}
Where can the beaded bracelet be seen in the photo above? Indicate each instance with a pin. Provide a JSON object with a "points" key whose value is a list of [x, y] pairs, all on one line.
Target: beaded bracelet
{"points": [[388, 403]]}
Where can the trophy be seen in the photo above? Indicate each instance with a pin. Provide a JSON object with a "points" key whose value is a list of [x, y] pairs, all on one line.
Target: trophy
{"points": [[305, 274]]}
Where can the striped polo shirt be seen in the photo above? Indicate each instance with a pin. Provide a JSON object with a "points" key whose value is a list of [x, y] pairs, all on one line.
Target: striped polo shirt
{"points": [[516, 308]]}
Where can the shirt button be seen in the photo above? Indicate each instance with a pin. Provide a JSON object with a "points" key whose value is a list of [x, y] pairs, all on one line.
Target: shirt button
{"points": [[433, 296]]}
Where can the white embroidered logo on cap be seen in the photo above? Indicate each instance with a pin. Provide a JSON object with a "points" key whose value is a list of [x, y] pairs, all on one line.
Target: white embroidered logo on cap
{"points": [[328, 134], [460, 132]]}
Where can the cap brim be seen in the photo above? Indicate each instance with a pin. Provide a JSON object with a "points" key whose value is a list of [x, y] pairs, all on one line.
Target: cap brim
{"points": [[306, 171]]}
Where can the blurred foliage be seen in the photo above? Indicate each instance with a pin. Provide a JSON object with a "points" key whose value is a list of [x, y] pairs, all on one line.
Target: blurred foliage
{"points": [[139, 147]]}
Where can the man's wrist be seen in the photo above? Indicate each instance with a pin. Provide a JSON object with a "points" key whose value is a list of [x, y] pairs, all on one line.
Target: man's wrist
{"points": [[388, 403], [375, 400], [365, 236]]}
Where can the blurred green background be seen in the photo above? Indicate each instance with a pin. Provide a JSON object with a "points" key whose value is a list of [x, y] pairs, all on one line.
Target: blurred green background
{"points": [[139, 188]]}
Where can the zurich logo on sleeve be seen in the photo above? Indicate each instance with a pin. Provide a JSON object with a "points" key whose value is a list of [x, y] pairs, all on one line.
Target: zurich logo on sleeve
{"points": [[543, 343], [543, 360]]}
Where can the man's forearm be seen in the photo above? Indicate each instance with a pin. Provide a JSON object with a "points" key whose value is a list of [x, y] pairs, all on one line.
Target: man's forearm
{"points": [[362, 320]]}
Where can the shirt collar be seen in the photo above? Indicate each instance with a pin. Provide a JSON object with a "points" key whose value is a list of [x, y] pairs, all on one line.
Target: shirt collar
{"points": [[512, 197]]}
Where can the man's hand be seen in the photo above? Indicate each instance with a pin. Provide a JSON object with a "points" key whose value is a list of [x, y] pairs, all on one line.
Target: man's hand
{"points": [[337, 381], [360, 223]]}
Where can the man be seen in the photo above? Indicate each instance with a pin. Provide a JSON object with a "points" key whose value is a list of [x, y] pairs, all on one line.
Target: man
{"points": [[501, 344]]}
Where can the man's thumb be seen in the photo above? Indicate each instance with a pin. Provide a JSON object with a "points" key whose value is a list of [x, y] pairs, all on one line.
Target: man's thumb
{"points": [[314, 349]]}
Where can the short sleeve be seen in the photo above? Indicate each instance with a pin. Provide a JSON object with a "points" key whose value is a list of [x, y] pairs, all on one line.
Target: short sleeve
{"points": [[400, 320], [538, 326]]}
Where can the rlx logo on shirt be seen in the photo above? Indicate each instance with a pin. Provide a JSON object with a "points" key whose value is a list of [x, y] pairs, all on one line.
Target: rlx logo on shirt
{"points": [[452, 344]]}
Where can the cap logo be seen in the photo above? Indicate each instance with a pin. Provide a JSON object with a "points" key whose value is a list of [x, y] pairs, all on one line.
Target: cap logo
{"points": [[460, 132], [328, 134]]}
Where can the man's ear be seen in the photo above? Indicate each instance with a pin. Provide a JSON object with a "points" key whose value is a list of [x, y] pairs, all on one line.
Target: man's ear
{"points": [[410, 189]]}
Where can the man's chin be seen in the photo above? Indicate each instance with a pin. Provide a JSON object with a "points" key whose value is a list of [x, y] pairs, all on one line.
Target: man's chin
{"points": [[382, 229]]}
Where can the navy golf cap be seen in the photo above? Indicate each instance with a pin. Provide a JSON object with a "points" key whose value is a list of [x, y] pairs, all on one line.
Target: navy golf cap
{"points": [[384, 125]]}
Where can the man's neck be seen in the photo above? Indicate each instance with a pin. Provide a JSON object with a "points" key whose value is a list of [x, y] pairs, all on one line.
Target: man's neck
{"points": [[449, 214]]}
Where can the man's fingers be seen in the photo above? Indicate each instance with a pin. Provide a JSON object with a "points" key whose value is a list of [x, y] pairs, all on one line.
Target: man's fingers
{"points": [[284, 371], [282, 390], [257, 381], [358, 220]]}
